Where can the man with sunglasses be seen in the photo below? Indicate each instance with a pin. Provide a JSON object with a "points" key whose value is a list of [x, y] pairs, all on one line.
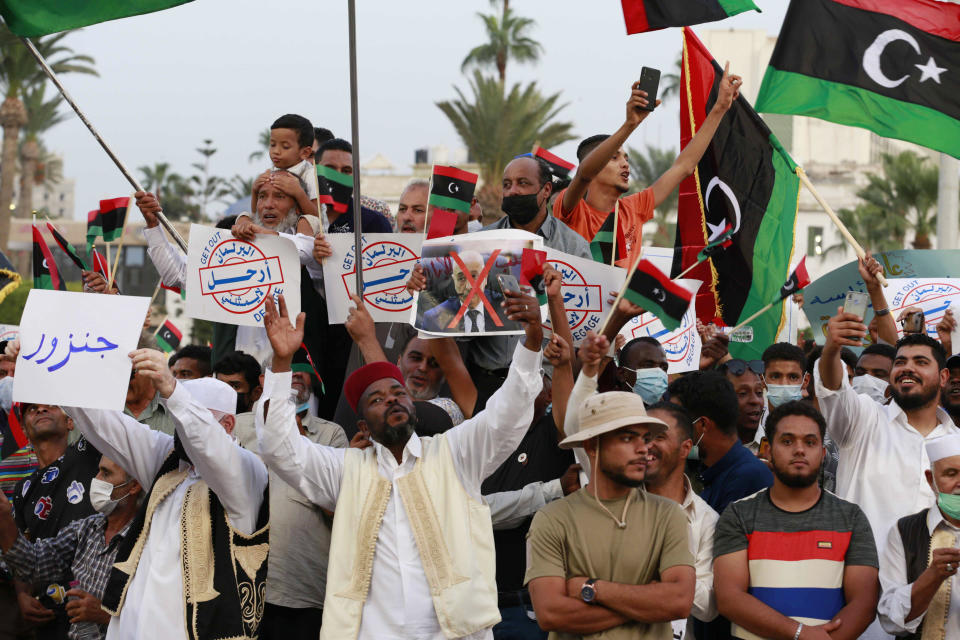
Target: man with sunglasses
{"points": [[746, 376]]}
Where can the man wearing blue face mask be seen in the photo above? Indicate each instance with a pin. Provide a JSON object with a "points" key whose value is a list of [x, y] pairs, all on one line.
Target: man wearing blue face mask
{"points": [[921, 594], [643, 369], [784, 368]]}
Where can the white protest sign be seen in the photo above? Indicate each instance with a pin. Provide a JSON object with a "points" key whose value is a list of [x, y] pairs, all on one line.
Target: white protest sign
{"points": [[588, 290], [682, 346], [228, 279], [387, 261], [74, 346], [932, 295]]}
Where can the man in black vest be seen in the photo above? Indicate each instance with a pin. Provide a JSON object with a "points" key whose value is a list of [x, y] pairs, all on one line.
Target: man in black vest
{"points": [[921, 594]]}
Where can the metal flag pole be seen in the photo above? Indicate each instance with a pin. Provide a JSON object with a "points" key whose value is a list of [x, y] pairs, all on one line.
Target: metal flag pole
{"points": [[83, 118], [355, 140]]}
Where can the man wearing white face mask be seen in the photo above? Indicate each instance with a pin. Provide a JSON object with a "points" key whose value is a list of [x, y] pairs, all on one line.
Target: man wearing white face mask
{"points": [[87, 548], [784, 368], [872, 373], [643, 369]]}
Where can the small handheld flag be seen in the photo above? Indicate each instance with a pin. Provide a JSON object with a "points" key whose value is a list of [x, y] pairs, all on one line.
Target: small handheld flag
{"points": [[14, 438], [45, 273], [334, 188], [650, 15], [169, 337], [558, 166], [532, 262], [452, 188], [107, 221], [100, 264], [601, 247], [67, 248], [9, 278], [797, 280], [303, 362], [655, 292], [442, 224], [722, 242]]}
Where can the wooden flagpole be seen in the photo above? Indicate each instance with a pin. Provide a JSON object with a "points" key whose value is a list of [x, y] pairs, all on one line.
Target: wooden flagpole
{"points": [[355, 136], [316, 186], [755, 316], [119, 247], [107, 265], [428, 215], [83, 118], [616, 217], [689, 269], [836, 221], [626, 282]]}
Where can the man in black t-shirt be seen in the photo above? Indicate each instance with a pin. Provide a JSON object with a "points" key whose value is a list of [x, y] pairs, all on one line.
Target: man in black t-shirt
{"points": [[53, 496]]}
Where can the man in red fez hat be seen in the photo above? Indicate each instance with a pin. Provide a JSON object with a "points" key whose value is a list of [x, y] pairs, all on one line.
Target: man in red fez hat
{"points": [[412, 552]]}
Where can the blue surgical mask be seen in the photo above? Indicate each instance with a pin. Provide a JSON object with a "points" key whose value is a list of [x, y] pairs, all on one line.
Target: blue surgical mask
{"points": [[778, 394], [651, 384]]}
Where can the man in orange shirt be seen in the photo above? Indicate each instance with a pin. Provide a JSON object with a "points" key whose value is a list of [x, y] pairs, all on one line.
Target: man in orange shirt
{"points": [[604, 173]]}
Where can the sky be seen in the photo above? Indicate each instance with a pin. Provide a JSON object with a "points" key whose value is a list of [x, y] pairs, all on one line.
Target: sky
{"points": [[225, 69]]}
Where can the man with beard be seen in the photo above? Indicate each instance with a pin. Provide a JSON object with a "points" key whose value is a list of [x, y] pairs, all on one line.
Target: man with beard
{"points": [[921, 594], [664, 477], [880, 442], [477, 318], [412, 549], [604, 173], [610, 557], [794, 561], [950, 393]]}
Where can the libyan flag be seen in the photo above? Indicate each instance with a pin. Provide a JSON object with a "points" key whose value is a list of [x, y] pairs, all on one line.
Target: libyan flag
{"points": [[602, 246], [745, 179], [650, 15], [107, 221], [452, 188], [45, 273], [31, 18], [652, 290], [335, 188], [169, 337], [890, 66], [9, 278]]}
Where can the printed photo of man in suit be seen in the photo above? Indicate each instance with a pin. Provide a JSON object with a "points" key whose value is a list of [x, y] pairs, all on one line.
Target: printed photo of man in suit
{"points": [[477, 318]]}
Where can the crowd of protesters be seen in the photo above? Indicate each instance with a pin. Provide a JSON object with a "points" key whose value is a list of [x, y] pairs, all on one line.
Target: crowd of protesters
{"points": [[361, 480]]}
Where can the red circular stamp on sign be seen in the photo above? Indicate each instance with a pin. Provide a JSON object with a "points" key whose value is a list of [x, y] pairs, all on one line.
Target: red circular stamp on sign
{"points": [[387, 266], [238, 276]]}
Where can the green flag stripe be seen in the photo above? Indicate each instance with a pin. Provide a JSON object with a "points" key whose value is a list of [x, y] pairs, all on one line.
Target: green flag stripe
{"points": [[771, 258], [164, 345], [794, 93], [335, 176], [445, 202], [733, 7], [31, 18], [112, 235], [652, 307]]}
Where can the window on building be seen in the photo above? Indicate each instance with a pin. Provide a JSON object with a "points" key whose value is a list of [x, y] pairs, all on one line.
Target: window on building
{"points": [[814, 241], [133, 257], [61, 197]]}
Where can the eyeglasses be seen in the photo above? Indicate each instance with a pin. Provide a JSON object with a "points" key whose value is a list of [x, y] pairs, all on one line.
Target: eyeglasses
{"points": [[738, 367]]}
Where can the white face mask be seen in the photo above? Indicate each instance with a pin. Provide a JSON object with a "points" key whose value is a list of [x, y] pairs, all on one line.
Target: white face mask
{"points": [[870, 386], [100, 492]]}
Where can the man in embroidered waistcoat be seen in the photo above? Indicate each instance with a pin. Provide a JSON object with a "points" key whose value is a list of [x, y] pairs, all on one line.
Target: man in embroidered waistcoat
{"points": [[193, 564], [412, 553], [918, 571]]}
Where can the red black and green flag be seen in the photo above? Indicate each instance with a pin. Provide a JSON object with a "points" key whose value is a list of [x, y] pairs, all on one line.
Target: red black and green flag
{"points": [[100, 265], [442, 223], [602, 245], [107, 221], [175, 289], [650, 15], [169, 337], [45, 273], [798, 279], [335, 188], [31, 18], [559, 167], [532, 262], [14, 438], [67, 247], [304, 363], [724, 240], [889, 66], [746, 180], [9, 278], [655, 292], [452, 188]]}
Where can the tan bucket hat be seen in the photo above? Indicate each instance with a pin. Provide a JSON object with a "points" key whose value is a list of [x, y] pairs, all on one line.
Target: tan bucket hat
{"points": [[606, 412]]}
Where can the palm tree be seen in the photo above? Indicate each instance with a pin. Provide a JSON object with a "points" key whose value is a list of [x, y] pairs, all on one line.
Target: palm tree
{"points": [[264, 142], [495, 126], [19, 72], [670, 82], [507, 40], [646, 168], [41, 115], [237, 188], [158, 178], [208, 188]]}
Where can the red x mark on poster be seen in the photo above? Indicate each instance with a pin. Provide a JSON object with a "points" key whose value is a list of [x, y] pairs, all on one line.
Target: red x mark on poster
{"points": [[475, 290]]}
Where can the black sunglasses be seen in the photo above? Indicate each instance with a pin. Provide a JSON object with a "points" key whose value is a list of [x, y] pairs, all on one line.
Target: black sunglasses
{"points": [[738, 367]]}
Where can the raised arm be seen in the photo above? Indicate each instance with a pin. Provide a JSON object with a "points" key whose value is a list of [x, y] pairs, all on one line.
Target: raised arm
{"points": [[360, 326], [447, 354], [688, 159], [886, 326], [314, 470], [481, 443], [237, 476], [170, 262], [843, 330], [598, 158], [560, 349]]}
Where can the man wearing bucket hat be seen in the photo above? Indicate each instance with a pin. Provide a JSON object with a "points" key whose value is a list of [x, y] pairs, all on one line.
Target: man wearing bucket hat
{"points": [[611, 557]]}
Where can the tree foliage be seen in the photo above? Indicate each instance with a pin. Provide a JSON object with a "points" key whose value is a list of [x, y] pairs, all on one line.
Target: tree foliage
{"points": [[507, 40]]}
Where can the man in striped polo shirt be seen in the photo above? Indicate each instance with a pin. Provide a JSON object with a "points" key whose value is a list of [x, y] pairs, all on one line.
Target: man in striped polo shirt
{"points": [[794, 561]]}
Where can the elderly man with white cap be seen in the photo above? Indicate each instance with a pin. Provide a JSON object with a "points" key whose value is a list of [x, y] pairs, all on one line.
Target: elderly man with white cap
{"points": [[918, 570], [611, 557], [193, 564]]}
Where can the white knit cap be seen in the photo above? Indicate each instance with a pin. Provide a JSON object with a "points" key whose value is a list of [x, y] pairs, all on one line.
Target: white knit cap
{"points": [[213, 394], [944, 447]]}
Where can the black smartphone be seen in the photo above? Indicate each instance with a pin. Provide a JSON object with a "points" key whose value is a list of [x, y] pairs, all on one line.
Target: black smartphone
{"points": [[508, 282], [649, 82]]}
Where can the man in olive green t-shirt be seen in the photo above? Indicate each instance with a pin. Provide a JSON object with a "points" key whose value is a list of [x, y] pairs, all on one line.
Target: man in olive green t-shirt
{"points": [[611, 557]]}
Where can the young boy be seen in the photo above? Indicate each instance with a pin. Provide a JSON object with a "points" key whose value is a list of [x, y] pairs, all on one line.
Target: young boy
{"points": [[291, 148]]}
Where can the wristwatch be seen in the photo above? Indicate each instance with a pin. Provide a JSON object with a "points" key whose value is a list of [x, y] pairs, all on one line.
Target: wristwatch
{"points": [[588, 592]]}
